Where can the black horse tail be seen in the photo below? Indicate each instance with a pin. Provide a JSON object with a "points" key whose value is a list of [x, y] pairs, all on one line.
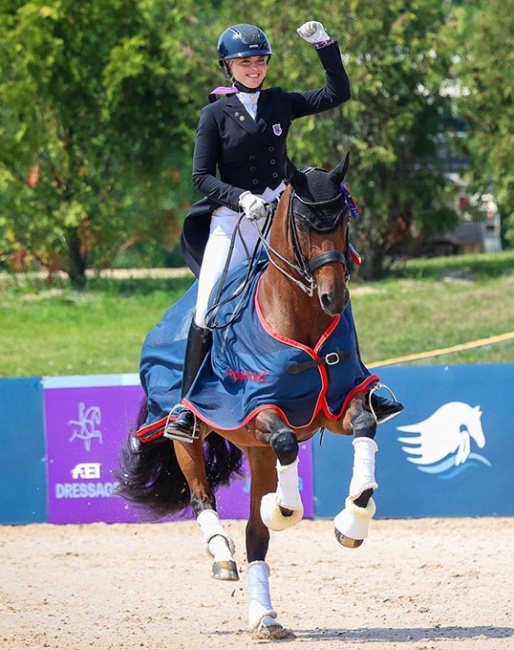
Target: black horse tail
{"points": [[149, 474]]}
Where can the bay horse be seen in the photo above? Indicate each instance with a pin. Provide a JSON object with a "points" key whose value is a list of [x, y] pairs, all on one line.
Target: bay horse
{"points": [[301, 297]]}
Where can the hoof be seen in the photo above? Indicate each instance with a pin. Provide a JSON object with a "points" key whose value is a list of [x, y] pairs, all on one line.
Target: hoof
{"points": [[273, 516], [347, 542], [225, 570], [352, 523], [270, 630]]}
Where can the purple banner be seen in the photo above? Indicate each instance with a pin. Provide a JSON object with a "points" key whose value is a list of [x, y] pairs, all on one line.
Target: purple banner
{"points": [[87, 421], [85, 427]]}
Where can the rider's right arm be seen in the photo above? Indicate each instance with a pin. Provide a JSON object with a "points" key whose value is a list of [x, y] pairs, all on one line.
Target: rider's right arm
{"points": [[206, 159]]}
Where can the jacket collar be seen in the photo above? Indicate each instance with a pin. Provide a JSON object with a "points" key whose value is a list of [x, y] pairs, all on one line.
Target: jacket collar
{"points": [[233, 107]]}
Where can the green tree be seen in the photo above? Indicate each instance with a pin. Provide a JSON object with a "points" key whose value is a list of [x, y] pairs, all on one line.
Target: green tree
{"points": [[395, 124], [94, 128], [482, 33], [100, 104]]}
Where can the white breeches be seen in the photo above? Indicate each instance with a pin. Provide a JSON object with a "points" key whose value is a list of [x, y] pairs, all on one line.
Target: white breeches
{"points": [[223, 223]]}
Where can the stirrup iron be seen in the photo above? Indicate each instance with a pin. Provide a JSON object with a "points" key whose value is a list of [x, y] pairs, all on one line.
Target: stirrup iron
{"points": [[176, 434], [386, 418]]}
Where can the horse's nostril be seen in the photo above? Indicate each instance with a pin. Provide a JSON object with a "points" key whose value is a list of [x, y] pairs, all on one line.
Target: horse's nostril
{"points": [[326, 301], [333, 304]]}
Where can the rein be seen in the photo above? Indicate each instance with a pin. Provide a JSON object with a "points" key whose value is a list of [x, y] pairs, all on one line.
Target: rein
{"points": [[243, 288]]}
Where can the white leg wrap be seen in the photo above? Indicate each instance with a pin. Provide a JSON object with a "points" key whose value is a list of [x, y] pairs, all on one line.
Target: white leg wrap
{"points": [[353, 522], [218, 544], [260, 600], [288, 494], [363, 466]]}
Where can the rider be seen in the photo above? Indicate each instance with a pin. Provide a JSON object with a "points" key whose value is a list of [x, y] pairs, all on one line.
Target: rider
{"points": [[242, 136]]}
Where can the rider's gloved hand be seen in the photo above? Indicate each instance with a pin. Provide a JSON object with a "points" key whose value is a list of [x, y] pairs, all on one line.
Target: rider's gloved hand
{"points": [[315, 33], [253, 206]]}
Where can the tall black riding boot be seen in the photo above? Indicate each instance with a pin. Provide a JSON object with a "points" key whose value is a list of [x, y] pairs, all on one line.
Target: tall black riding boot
{"points": [[184, 427], [384, 409]]}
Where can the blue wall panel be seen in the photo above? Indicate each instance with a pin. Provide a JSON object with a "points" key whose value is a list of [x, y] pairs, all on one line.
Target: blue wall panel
{"points": [[457, 454], [23, 484], [450, 453]]}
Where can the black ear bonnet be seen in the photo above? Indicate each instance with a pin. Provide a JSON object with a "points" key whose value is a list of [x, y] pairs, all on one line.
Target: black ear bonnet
{"points": [[318, 200]]}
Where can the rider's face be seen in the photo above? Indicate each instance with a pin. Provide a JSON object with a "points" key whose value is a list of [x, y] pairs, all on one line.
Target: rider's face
{"points": [[250, 71]]}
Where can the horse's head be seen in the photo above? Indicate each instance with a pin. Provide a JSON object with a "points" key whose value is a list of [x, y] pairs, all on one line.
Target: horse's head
{"points": [[316, 215]]}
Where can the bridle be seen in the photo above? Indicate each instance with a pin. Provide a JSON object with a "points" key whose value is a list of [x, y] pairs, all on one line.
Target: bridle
{"points": [[304, 266]]}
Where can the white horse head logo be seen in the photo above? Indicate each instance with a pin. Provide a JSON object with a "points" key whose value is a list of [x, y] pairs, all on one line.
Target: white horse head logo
{"points": [[443, 440]]}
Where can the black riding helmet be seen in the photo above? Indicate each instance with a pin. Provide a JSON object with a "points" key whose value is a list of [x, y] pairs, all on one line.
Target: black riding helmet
{"points": [[241, 41]]}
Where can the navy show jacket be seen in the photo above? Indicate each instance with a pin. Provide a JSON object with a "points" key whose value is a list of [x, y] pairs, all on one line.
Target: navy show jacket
{"points": [[234, 153]]}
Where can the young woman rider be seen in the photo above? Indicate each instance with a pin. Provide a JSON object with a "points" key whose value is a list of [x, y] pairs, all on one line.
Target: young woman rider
{"points": [[239, 155]]}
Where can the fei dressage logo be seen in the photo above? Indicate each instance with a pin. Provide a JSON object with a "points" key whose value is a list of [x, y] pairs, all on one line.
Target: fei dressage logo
{"points": [[442, 443], [85, 427]]}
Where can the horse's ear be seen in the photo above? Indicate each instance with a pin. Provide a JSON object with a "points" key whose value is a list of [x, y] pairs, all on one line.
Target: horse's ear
{"points": [[291, 173], [339, 172]]}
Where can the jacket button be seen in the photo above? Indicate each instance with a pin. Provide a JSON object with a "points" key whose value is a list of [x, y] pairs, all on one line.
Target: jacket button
{"points": [[253, 168], [273, 161], [271, 148], [251, 158], [255, 181], [274, 175]]}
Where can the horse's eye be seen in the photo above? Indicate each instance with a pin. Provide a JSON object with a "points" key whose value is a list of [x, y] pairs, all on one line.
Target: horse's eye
{"points": [[301, 226]]}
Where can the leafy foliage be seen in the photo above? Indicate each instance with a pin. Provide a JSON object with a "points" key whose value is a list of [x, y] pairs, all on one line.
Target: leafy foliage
{"points": [[482, 35], [100, 102], [92, 129]]}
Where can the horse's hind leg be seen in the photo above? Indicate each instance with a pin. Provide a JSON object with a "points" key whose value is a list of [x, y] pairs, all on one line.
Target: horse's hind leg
{"points": [[262, 616], [352, 523], [218, 542]]}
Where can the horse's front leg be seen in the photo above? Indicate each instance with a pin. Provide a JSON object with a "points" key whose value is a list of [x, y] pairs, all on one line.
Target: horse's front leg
{"points": [[284, 508], [352, 523], [218, 542]]}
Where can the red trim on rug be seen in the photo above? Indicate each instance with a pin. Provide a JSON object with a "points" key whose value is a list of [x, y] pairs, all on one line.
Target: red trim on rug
{"points": [[362, 387], [152, 431], [327, 333], [248, 418]]}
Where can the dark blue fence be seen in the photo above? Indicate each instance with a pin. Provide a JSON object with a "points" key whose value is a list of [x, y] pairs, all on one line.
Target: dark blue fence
{"points": [[23, 463], [448, 454]]}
